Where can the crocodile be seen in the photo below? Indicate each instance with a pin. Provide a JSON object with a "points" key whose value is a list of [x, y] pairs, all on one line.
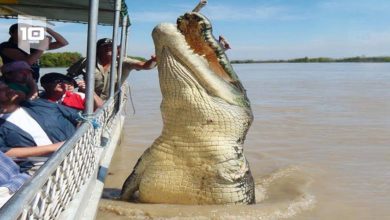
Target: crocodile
{"points": [[198, 158]]}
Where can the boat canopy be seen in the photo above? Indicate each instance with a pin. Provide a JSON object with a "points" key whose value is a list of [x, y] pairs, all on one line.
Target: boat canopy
{"points": [[75, 11]]}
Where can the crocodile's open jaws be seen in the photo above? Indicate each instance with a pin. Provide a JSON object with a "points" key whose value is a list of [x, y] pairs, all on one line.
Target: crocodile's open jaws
{"points": [[198, 158]]}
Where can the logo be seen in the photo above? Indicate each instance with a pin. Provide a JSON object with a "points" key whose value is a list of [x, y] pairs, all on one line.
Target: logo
{"points": [[32, 33]]}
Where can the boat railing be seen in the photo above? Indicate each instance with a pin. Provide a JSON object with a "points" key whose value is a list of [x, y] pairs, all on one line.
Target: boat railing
{"points": [[48, 193]]}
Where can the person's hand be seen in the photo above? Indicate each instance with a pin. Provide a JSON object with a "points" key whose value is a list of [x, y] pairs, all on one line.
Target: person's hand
{"points": [[151, 63], [44, 44], [81, 84], [49, 38], [55, 146]]}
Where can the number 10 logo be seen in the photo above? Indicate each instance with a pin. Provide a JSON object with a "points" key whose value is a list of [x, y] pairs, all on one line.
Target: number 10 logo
{"points": [[33, 33]]}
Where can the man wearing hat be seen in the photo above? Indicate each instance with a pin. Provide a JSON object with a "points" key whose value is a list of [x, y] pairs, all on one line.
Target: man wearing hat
{"points": [[33, 128], [18, 76], [57, 89], [103, 66]]}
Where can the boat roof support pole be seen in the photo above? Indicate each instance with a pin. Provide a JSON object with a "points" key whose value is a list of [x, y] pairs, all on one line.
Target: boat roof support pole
{"points": [[91, 55], [126, 36], [128, 24], [122, 54], [118, 6]]}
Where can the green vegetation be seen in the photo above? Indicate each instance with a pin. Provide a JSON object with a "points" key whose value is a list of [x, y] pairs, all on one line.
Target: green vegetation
{"points": [[64, 59], [138, 58], [381, 59]]}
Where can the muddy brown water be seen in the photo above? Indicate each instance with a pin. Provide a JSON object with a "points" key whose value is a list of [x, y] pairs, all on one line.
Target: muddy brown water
{"points": [[318, 147]]}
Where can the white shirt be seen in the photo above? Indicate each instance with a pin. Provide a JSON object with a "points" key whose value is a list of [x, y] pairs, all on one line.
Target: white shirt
{"points": [[28, 124]]}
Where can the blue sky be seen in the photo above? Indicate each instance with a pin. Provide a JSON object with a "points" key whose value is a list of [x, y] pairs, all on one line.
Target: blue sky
{"points": [[261, 29]]}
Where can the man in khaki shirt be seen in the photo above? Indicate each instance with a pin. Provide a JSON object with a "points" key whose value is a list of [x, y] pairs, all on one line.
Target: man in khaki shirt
{"points": [[103, 66]]}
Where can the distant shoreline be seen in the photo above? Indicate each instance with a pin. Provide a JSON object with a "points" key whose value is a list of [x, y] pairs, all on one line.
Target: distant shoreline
{"points": [[362, 59], [65, 59]]}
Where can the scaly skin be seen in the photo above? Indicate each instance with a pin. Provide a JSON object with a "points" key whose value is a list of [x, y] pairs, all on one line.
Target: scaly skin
{"points": [[198, 159]]}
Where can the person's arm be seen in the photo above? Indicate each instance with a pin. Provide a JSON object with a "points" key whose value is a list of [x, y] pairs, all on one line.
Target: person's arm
{"points": [[130, 64], [97, 101], [15, 54], [149, 64], [60, 40], [33, 151]]}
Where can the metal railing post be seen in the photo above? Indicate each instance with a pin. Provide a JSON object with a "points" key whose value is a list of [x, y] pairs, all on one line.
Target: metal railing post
{"points": [[121, 56], [91, 55], [113, 71], [126, 35]]}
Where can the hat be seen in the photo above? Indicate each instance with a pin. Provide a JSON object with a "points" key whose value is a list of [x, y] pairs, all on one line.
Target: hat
{"points": [[103, 41], [56, 78], [15, 66]]}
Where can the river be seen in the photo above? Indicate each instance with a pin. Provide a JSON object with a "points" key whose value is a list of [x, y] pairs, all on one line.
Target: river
{"points": [[318, 147]]}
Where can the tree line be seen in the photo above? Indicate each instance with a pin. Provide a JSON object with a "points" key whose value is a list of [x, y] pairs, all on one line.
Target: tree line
{"points": [[66, 59], [380, 59]]}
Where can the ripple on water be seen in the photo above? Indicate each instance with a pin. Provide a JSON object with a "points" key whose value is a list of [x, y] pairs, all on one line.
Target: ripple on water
{"points": [[281, 194]]}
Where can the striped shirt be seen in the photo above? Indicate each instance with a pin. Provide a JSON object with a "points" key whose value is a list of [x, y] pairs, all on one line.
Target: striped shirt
{"points": [[10, 175]]}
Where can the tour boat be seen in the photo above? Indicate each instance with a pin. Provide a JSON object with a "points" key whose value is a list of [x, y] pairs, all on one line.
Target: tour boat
{"points": [[70, 183]]}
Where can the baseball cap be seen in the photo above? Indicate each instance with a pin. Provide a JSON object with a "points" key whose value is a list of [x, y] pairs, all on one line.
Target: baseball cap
{"points": [[103, 41], [15, 66], [57, 78]]}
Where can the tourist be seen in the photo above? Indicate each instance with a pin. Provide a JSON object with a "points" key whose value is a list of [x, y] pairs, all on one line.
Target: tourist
{"points": [[18, 76], [59, 88], [10, 51], [103, 66], [33, 128]]}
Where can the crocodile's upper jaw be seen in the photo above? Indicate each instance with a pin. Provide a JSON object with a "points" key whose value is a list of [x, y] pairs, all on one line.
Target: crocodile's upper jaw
{"points": [[192, 44]]}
